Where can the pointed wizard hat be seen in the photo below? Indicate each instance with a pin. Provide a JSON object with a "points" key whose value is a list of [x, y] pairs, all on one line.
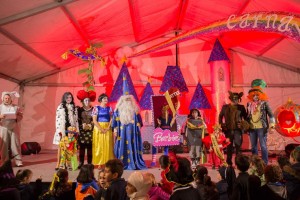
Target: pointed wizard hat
{"points": [[125, 85]]}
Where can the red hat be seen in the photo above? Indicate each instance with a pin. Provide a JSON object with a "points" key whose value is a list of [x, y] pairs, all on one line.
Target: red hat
{"points": [[82, 94]]}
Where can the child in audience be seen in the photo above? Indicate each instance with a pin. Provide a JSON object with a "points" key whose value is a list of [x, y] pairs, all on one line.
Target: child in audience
{"points": [[8, 182], [292, 175], [27, 191], [206, 188], [166, 185], [222, 185], [138, 186], [182, 175], [113, 172], [68, 148], [283, 160], [60, 188], [273, 189], [156, 192], [257, 167], [101, 179], [240, 187], [86, 184]]}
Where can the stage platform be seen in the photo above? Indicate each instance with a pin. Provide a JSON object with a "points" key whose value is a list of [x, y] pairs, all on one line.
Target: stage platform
{"points": [[43, 165]]}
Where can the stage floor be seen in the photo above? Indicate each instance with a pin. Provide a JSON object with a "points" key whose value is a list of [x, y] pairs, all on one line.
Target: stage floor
{"points": [[43, 164]]}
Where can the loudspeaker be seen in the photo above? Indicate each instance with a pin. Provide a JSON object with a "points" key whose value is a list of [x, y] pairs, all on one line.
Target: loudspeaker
{"points": [[28, 148]]}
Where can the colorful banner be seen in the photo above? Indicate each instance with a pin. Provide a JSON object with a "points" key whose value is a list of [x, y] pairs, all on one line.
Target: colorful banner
{"points": [[283, 23], [165, 137]]}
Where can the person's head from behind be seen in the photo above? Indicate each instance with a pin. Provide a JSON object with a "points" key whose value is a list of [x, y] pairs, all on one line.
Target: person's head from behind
{"points": [[283, 160], [60, 183], [24, 176], [101, 179], [257, 163], [222, 173], [151, 177], [273, 174], [138, 185], [242, 162], [201, 176], [113, 169], [86, 174], [164, 161], [295, 155]]}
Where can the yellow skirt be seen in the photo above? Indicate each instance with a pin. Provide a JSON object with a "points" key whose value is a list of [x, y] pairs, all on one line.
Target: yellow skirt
{"points": [[102, 145]]}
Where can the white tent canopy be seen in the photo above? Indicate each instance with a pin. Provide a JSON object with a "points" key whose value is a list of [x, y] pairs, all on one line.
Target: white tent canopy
{"points": [[34, 34]]}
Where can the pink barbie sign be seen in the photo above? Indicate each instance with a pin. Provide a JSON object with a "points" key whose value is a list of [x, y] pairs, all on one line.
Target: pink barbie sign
{"points": [[165, 137]]}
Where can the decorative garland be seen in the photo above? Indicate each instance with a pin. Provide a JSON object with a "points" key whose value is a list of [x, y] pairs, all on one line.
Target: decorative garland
{"points": [[283, 23], [90, 55]]}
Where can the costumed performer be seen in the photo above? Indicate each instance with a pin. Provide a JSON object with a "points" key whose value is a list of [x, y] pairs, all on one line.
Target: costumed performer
{"points": [[216, 142], [258, 110], [127, 123], [234, 116], [102, 134], [164, 121], [10, 114], [66, 116], [86, 125], [68, 149], [195, 128]]}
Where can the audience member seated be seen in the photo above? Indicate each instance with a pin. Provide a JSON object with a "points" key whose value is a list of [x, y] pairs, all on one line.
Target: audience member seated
{"points": [[206, 188], [113, 172], [257, 167], [86, 183], [28, 191], [292, 175], [60, 188], [8, 182], [156, 192], [138, 186], [273, 189], [240, 187], [182, 175]]}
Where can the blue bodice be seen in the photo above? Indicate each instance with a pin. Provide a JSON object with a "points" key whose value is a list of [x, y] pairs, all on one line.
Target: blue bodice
{"points": [[104, 114]]}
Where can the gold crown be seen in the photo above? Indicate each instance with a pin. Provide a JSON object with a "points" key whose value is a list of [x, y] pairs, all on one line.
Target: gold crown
{"points": [[72, 129], [217, 127]]}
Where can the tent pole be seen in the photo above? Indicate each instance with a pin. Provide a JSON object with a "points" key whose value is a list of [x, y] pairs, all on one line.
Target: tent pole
{"points": [[176, 49]]}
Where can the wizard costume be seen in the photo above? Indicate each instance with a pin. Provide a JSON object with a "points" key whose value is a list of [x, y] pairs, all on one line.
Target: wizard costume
{"points": [[128, 143]]}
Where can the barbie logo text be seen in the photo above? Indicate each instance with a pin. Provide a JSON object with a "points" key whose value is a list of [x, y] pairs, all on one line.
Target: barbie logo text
{"points": [[165, 137]]}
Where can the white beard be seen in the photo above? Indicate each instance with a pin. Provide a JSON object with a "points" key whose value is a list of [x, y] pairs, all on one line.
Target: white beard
{"points": [[127, 110]]}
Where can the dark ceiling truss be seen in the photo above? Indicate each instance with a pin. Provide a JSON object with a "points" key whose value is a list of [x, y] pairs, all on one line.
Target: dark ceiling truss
{"points": [[268, 60], [34, 11], [270, 46], [76, 25], [6, 77]]}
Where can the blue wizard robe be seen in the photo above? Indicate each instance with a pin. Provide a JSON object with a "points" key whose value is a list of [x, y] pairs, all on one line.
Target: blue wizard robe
{"points": [[128, 145]]}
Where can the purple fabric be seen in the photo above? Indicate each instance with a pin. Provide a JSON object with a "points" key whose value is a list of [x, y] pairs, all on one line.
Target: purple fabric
{"points": [[199, 99], [173, 78], [218, 53], [145, 102], [118, 87], [157, 193]]}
